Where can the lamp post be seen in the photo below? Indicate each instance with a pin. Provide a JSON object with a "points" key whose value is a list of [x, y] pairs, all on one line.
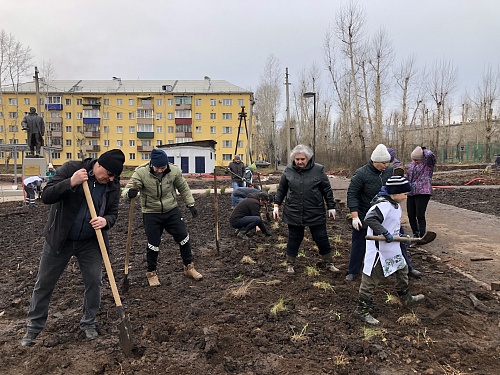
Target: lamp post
{"points": [[313, 95]]}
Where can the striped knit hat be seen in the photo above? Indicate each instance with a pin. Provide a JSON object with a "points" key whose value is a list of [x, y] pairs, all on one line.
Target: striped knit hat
{"points": [[397, 185]]}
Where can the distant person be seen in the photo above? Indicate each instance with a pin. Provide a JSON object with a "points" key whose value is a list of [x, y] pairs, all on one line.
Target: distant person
{"points": [[236, 169], [419, 174], [248, 175], [35, 126], [32, 185], [71, 231], [51, 171], [158, 182], [308, 197], [384, 258], [246, 215]]}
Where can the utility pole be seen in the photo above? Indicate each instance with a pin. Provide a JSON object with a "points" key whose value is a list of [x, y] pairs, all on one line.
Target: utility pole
{"points": [[37, 85], [288, 127]]}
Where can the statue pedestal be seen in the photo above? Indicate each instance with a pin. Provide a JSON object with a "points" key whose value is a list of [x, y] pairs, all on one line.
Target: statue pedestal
{"points": [[34, 167]]}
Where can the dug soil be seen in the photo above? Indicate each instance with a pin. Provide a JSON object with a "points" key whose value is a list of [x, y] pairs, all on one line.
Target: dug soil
{"points": [[247, 316]]}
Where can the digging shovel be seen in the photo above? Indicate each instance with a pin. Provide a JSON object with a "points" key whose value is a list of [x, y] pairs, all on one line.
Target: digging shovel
{"points": [[216, 207], [126, 281], [428, 237], [124, 325]]}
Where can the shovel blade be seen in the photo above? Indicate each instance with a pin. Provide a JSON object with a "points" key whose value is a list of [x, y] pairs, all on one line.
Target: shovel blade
{"points": [[125, 332], [125, 284], [428, 237]]}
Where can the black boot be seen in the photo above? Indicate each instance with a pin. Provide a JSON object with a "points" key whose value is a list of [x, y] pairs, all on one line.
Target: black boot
{"points": [[243, 234], [290, 263], [407, 299], [363, 310]]}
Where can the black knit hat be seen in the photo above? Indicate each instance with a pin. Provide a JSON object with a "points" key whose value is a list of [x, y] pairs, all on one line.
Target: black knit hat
{"points": [[159, 158], [113, 161], [397, 185]]}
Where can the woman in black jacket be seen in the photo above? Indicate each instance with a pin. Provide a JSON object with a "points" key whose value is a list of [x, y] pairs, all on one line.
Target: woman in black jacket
{"points": [[307, 189]]}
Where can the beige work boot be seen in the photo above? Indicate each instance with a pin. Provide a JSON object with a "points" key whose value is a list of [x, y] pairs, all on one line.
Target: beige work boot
{"points": [[189, 271], [328, 259], [153, 278]]}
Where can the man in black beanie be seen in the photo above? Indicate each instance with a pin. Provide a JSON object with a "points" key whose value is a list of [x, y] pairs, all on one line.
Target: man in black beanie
{"points": [[70, 231], [158, 182]]}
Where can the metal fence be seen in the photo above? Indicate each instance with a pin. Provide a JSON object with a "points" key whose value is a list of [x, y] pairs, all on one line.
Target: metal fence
{"points": [[471, 152]]}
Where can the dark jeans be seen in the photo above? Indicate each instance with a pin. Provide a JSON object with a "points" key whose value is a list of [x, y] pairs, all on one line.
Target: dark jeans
{"points": [[250, 222], [416, 205], [235, 185], [52, 265], [173, 223], [296, 235]]}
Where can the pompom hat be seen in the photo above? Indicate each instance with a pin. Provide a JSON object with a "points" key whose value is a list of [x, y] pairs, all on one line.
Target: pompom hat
{"points": [[380, 154], [397, 185], [417, 154]]}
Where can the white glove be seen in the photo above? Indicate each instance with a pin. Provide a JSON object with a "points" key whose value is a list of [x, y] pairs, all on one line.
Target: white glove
{"points": [[276, 211], [331, 213], [356, 223]]}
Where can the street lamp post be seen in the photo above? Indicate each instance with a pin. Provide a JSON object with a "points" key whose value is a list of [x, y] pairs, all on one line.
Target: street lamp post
{"points": [[313, 95]]}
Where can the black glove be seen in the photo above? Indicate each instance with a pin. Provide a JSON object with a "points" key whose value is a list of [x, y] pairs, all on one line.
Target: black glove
{"points": [[388, 236], [193, 210], [423, 148], [132, 193]]}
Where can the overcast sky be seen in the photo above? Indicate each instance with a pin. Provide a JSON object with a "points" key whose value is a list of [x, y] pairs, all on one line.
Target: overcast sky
{"points": [[231, 39]]}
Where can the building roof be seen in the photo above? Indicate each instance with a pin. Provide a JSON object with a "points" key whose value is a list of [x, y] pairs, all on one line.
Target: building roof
{"points": [[205, 143], [118, 85]]}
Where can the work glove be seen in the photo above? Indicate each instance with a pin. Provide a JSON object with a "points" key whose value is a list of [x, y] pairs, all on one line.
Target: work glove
{"points": [[276, 212], [331, 213], [356, 223], [132, 192], [193, 210], [388, 237]]}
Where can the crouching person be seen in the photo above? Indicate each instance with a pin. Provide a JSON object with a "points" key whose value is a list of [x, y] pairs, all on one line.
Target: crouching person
{"points": [[383, 258], [158, 183], [246, 216]]}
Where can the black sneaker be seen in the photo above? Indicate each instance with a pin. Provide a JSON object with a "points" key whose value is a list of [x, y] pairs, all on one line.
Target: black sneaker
{"points": [[90, 333], [28, 338], [351, 277]]}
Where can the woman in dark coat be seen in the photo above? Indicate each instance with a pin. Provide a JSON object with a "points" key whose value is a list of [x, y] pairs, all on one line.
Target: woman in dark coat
{"points": [[305, 189]]}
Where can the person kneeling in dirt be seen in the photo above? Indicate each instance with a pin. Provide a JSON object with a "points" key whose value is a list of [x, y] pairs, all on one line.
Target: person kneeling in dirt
{"points": [[71, 231], [246, 215], [31, 186], [383, 258], [158, 182], [239, 194]]}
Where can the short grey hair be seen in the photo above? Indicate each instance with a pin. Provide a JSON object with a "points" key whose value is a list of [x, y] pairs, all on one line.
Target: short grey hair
{"points": [[301, 149]]}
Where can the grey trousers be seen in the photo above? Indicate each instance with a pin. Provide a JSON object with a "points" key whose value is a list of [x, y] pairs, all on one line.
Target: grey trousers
{"points": [[370, 283], [52, 265]]}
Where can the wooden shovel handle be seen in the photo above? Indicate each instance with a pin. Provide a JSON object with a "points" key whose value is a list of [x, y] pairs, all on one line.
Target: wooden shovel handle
{"points": [[102, 246], [129, 231]]}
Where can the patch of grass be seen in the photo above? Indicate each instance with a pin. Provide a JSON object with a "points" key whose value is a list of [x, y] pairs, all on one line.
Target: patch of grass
{"points": [[341, 359], [301, 254], [312, 271], [270, 282], [450, 370], [280, 246], [207, 192], [239, 277], [222, 189], [336, 253], [301, 336], [370, 332], [275, 225], [425, 338], [410, 319], [391, 299], [326, 286], [242, 290], [260, 249], [281, 239], [336, 314], [278, 307], [246, 259]]}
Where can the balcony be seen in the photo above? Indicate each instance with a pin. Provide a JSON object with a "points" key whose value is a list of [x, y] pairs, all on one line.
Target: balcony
{"points": [[145, 148], [92, 134], [145, 135], [183, 121], [56, 133], [184, 135], [53, 107], [92, 148], [91, 120], [91, 105], [145, 106], [181, 107]]}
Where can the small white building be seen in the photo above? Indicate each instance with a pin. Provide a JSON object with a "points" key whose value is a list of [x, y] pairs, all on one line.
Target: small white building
{"points": [[192, 157]]}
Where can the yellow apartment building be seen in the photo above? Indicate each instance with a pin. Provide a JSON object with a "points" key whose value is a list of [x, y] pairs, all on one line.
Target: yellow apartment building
{"points": [[84, 118]]}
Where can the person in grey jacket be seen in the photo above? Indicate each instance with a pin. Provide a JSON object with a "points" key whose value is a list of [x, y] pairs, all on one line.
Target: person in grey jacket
{"points": [[158, 183], [35, 126], [307, 190]]}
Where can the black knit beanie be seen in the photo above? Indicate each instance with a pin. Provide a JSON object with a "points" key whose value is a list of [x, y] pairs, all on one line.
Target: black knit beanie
{"points": [[113, 161], [159, 158]]}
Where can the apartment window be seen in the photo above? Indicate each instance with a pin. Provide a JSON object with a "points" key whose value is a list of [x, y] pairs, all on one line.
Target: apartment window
{"points": [[227, 101], [68, 155], [213, 116], [79, 101], [198, 101], [131, 156], [213, 102], [226, 144], [170, 102], [119, 115], [213, 129], [55, 114], [68, 101], [158, 116], [68, 142], [1, 114], [131, 115], [54, 100], [240, 144], [185, 128], [227, 157], [105, 102], [79, 129], [146, 156], [131, 142], [170, 116], [93, 155], [241, 102], [68, 129], [27, 101], [158, 142], [185, 113], [12, 101], [227, 116], [105, 129], [79, 115], [198, 129], [197, 116], [146, 142], [67, 115], [131, 102], [131, 129], [119, 101], [159, 102], [144, 113], [91, 113], [159, 129], [182, 100], [119, 143], [227, 130], [105, 115], [13, 128], [119, 129], [145, 128], [56, 155], [12, 114], [106, 142], [170, 142], [170, 129]]}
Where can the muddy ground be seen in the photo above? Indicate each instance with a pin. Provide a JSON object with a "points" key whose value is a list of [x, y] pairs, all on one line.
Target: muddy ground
{"points": [[228, 323]]}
